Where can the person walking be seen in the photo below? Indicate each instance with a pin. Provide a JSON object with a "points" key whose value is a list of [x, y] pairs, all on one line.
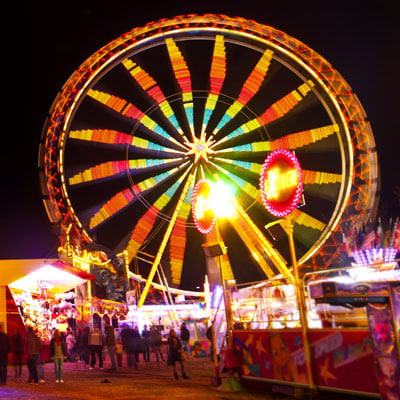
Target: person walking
{"points": [[4, 350], [110, 343], [155, 342], [175, 353], [18, 351], [71, 344], [185, 337], [95, 342], [33, 348], [57, 353]]}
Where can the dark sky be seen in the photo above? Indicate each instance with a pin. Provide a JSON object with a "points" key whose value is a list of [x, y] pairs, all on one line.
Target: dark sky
{"points": [[44, 42]]}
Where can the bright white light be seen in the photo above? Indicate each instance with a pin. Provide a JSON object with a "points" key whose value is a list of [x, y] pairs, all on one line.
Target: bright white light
{"points": [[222, 199], [47, 276], [368, 274]]}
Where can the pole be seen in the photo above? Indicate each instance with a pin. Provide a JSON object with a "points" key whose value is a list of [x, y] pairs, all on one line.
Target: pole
{"points": [[231, 384], [287, 224]]}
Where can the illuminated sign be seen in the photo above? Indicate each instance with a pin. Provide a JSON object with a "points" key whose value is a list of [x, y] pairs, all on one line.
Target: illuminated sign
{"points": [[281, 182], [202, 209]]}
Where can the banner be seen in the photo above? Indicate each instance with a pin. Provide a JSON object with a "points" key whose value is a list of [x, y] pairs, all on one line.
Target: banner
{"points": [[341, 359]]}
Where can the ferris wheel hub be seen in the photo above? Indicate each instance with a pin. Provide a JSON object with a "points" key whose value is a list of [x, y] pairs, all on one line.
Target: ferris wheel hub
{"points": [[200, 148]]}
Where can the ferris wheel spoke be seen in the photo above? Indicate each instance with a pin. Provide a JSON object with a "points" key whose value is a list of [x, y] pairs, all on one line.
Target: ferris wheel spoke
{"points": [[291, 141], [269, 259], [302, 218], [182, 76], [178, 239], [277, 110], [150, 86], [126, 197], [113, 137], [246, 187], [322, 184], [129, 110], [217, 78], [146, 223], [157, 259], [249, 89], [111, 169]]}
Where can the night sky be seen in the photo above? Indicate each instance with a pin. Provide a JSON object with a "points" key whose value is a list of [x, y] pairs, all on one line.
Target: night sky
{"points": [[44, 42]]}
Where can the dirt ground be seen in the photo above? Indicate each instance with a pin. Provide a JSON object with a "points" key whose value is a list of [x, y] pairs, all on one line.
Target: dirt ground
{"points": [[151, 381]]}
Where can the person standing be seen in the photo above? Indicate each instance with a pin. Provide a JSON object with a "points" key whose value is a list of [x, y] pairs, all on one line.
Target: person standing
{"points": [[18, 350], [85, 345], [135, 342], [57, 353], [95, 342], [175, 353], [33, 348], [146, 343], [155, 341], [4, 350], [119, 350], [110, 343], [79, 347], [128, 341], [185, 337]]}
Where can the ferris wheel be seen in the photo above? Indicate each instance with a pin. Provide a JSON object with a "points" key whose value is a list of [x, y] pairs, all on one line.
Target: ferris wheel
{"points": [[178, 100]]}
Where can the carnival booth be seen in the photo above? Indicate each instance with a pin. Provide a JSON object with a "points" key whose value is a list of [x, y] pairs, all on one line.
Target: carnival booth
{"points": [[372, 284], [353, 326], [40, 293]]}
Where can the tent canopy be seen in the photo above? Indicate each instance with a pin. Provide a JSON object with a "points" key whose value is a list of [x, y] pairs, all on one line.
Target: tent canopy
{"points": [[35, 274]]}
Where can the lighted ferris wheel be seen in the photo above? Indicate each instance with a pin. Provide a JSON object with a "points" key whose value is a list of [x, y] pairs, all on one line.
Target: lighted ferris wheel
{"points": [[164, 106]]}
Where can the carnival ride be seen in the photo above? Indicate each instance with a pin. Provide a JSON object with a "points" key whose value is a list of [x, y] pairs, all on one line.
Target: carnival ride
{"points": [[164, 105], [146, 119]]}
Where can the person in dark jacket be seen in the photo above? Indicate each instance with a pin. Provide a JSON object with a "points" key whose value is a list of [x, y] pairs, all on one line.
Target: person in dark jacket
{"points": [[96, 342], [4, 350], [85, 345], [33, 347], [175, 353], [18, 351], [146, 344], [129, 341], [110, 343], [185, 337], [57, 353], [156, 341]]}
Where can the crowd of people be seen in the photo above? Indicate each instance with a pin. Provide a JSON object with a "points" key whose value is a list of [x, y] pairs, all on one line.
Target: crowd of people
{"points": [[90, 347]]}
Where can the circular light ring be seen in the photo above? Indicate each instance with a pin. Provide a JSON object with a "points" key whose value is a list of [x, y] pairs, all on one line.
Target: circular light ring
{"points": [[287, 202], [204, 223]]}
